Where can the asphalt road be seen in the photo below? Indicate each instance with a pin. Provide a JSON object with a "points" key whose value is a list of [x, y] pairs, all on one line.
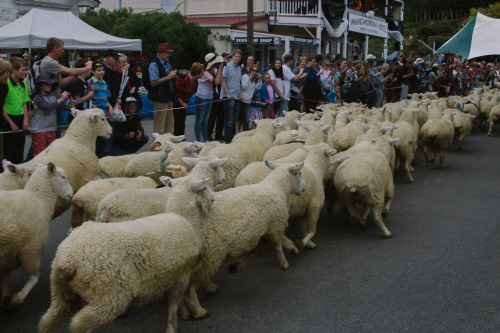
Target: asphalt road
{"points": [[439, 273]]}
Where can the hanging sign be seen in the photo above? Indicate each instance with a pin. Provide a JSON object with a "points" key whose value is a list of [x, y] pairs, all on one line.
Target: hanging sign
{"points": [[258, 40], [367, 26]]}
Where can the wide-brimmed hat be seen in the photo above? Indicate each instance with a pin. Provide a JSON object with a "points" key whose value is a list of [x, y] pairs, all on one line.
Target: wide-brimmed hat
{"points": [[370, 56], [211, 59], [164, 47], [419, 61], [130, 99], [45, 78]]}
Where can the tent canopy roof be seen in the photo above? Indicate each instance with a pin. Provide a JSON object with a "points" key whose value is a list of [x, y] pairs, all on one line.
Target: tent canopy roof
{"points": [[34, 28], [478, 38]]}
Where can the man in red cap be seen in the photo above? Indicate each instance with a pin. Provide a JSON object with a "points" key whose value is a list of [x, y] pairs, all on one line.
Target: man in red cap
{"points": [[162, 81]]}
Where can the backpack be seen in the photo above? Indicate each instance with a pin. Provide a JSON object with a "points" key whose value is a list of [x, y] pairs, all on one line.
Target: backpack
{"points": [[146, 80], [31, 79]]}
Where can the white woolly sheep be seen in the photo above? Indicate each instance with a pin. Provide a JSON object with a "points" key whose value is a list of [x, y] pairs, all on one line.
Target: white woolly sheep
{"points": [[146, 162], [437, 134], [113, 166], [366, 178], [75, 151], [463, 125], [24, 232], [207, 147], [112, 267], [245, 151], [14, 176], [407, 131], [132, 203], [231, 233], [494, 118], [159, 140], [343, 138]]}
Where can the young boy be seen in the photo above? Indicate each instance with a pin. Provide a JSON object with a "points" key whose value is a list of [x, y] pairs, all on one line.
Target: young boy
{"points": [[80, 89], [128, 136], [100, 100], [15, 112], [44, 123]]}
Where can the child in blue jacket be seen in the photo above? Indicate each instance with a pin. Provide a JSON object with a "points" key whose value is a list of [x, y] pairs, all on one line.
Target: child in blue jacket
{"points": [[267, 97]]}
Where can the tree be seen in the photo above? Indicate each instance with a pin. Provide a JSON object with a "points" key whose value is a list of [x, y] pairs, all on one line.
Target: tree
{"points": [[493, 11], [188, 40]]}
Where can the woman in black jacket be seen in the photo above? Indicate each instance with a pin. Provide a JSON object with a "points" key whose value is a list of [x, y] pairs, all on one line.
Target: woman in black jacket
{"points": [[128, 136]]}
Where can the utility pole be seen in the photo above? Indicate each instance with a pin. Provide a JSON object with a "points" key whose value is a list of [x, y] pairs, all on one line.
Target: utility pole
{"points": [[250, 44]]}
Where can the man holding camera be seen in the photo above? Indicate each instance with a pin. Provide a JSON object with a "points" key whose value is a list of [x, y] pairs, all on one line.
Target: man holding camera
{"points": [[162, 78]]}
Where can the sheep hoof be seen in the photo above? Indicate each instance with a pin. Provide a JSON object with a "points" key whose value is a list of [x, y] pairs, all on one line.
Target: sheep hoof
{"points": [[234, 268], [8, 305], [411, 180], [300, 244], [388, 235], [311, 245], [201, 314], [284, 266]]}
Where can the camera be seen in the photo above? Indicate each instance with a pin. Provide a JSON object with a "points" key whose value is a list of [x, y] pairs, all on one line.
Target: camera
{"points": [[179, 74], [255, 76]]}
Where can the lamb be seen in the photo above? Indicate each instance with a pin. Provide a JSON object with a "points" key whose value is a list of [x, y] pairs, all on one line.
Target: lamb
{"points": [[231, 233], [207, 147], [245, 151], [159, 142], [146, 162], [366, 178], [437, 134], [132, 203], [494, 118], [14, 176], [75, 152], [24, 232], [111, 267]]}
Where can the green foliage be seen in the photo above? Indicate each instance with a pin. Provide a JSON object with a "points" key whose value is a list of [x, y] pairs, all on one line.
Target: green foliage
{"points": [[420, 6], [188, 40], [493, 10], [427, 30]]}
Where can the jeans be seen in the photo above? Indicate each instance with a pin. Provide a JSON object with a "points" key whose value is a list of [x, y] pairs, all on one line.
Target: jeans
{"points": [[283, 107], [245, 115], [404, 92], [379, 94], [201, 121], [231, 113]]}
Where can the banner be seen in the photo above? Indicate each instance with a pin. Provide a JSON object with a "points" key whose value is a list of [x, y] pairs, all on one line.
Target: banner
{"points": [[367, 26]]}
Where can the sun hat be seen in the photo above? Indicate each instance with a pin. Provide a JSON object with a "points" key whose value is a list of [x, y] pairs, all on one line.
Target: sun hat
{"points": [[370, 56], [130, 99], [419, 61], [211, 59], [45, 78], [164, 47]]}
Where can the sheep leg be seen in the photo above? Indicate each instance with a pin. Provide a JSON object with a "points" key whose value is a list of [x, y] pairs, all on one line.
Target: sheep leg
{"points": [[275, 241], [193, 304], [377, 215], [98, 312], [210, 287], [175, 296], [490, 128], [289, 245], [408, 169], [362, 220], [61, 309], [352, 212], [441, 158], [238, 265], [19, 297], [426, 153], [433, 159], [309, 224]]}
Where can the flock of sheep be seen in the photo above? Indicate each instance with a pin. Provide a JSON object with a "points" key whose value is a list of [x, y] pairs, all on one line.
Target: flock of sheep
{"points": [[172, 234]]}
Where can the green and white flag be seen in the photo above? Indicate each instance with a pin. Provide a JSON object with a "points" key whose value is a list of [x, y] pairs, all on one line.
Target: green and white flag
{"points": [[480, 37]]}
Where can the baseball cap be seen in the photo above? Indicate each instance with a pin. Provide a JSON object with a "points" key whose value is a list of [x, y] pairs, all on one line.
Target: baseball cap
{"points": [[130, 99], [226, 55], [45, 78]]}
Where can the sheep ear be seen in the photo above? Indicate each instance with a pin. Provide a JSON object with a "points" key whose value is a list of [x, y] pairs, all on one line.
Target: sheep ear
{"points": [[373, 140], [285, 113], [190, 148], [200, 185], [191, 161], [278, 125], [295, 169], [168, 146], [302, 114], [167, 181], [394, 141], [51, 167], [366, 126], [257, 121], [217, 162], [306, 148], [7, 165], [177, 139], [350, 118], [270, 165], [472, 116], [327, 129], [156, 135], [330, 152], [297, 122], [199, 144]]}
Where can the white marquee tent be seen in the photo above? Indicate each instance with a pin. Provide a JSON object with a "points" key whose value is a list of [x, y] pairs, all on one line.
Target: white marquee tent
{"points": [[34, 28], [480, 37]]}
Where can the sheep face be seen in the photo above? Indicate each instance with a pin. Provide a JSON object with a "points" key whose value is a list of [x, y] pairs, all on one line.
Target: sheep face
{"points": [[101, 126], [63, 187]]}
